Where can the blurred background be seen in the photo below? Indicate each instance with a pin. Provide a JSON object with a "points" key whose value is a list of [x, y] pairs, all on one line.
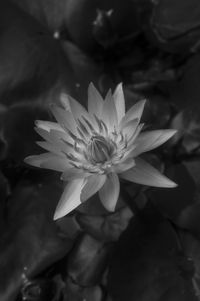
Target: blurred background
{"points": [[149, 249]]}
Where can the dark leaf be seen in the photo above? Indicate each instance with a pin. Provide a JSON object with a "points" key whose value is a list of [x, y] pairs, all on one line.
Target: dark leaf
{"points": [[42, 289], [171, 202], [31, 59], [30, 233], [187, 123], [173, 27], [185, 92], [84, 68], [190, 216], [157, 112], [102, 29], [81, 14], [107, 228], [191, 248], [4, 192], [18, 130], [50, 13], [148, 263], [87, 261], [193, 168], [74, 292]]}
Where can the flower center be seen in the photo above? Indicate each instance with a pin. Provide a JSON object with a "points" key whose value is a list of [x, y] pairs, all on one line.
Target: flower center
{"points": [[100, 149]]}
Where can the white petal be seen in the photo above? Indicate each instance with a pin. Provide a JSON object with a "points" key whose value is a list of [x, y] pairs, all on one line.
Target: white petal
{"points": [[94, 183], [77, 109], [119, 101], [73, 173], [70, 198], [144, 173], [131, 143], [56, 141], [49, 147], [129, 128], [134, 112], [54, 136], [62, 139], [109, 113], [43, 133], [124, 165], [48, 125], [109, 193], [49, 161], [95, 101], [150, 140], [64, 99], [64, 118]]}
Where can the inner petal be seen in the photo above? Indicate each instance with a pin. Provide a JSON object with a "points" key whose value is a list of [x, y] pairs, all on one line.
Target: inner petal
{"points": [[100, 149]]}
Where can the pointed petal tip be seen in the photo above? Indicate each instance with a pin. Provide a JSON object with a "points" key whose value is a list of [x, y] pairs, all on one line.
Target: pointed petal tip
{"points": [[166, 135], [39, 124], [57, 215], [143, 102], [91, 85], [28, 159], [172, 184], [118, 87], [109, 193], [173, 132], [111, 208], [64, 101], [32, 160], [108, 205], [145, 174]]}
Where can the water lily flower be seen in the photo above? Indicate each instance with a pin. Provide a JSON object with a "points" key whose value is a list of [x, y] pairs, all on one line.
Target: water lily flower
{"points": [[93, 149]]}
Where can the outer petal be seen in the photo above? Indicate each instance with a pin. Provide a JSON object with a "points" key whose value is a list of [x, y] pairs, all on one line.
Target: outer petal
{"points": [[62, 139], [73, 173], [131, 143], [64, 99], [64, 118], [94, 183], [43, 133], [109, 113], [95, 101], [70, 198], [123, 166], [48, 125], [49, 161], [54, 136], [119, 101], [49, 147], [130, 128], [134, 112], [150, 140], [75, 107], [144, 173], [109, 193]]}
